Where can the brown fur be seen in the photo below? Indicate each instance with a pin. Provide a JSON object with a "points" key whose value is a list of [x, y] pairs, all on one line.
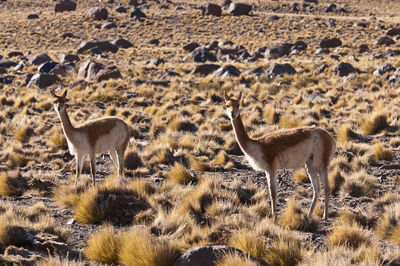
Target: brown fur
{"points": [[329, 147], [98, 128]]}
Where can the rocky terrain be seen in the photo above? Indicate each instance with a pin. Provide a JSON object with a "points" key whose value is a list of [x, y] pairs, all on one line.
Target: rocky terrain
{"points": [[188, 192]]}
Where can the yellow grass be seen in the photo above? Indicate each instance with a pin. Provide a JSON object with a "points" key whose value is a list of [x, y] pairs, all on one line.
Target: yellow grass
{"points": [[104, 246]]}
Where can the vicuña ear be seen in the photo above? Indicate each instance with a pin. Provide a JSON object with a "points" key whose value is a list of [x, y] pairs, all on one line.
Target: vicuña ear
{"points": [[239, 97], [64, 94], [53, 94], [226, 97]]}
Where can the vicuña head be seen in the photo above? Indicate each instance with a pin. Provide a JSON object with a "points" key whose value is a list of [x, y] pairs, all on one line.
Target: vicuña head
{"points": [[311, 147], [109, 134]]}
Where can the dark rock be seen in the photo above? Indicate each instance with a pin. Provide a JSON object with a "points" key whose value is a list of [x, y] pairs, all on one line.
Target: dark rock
{"points": [[61, 69], [43, 80], [7, 63], [190, 46], [273, 17], [103, 46], [363, 48], [39, 59], [239, 9], [15, 54], [361, 24], [121, 9], [109, 25], [205, 69], [169, 74], [201, 55], [133, 3], [156, 61], [278, 50], [33, 16], [47, 67], [280, 69], [65, 58], [257, 71], [322, 51], [393, 31], [385, 41], [209, 255], [92, 71], [322, 68], [20, 66], [330, 43], [311, 1], [299, 45], [226, 4], [137, 14], [228, 70], [152, 41], [330, 8], [65, 5], [3, 70], [66, 35], [343, 69], [211, 10], [97, 13], [386, 67], [212, 45], [7, 79], [122, 43]]}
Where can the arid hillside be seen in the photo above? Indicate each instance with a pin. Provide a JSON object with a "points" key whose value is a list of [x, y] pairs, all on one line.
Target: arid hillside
{"points": [[188, 192]]}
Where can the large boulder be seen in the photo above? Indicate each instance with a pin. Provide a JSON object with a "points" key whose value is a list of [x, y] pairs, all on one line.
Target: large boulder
{"points": [[386, 67], [92, 71], [102, 46], [122, 43], [393, 31], [205, 69], [211, 9], [385, 41], [97, 13], [330, 43], [228, 70], [278, 50], [65, 5], [7, 63], [47, 66], [239, 9], [209, 255], [39, 59], [201, 55], [280, 69], [343, 69], [190, 46], [68, 58], [43, 80], [137, 14]]}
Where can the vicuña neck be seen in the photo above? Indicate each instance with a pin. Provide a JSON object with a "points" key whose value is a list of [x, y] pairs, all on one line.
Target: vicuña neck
{"points": [[66, 124], [240, 133]]}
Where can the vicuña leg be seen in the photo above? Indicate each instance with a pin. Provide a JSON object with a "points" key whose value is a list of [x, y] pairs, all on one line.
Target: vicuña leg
{"points": [[314, 178], [114, 157], [79, 163], [323, 174], [272, 186], [93, 167], [120, 155]]}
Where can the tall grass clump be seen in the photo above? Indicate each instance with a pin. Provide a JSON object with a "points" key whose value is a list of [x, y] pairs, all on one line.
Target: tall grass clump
{"points": [[104, 246], [374, 123], [179, 175]]}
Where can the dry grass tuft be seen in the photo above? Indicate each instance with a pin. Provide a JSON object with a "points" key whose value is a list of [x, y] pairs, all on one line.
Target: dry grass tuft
{"points": [[132, 160], [178, 124], [351, 235], [11, 234], [59, 260], [374, 123], [235, 259], [336, 180], [179, 175], [23, 133], [381, 153], [198, 165], [58, 140], [388, 226], [104, 246], [139, 248], [283, 252], [248, 242], [346, 134], [142, 187], [360, 184], [12, 184], [301, 176], [293, 218]]}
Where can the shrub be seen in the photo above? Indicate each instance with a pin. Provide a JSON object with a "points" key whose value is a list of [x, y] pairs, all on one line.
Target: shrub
{"points": [[249, 243], [104, 246], [374, 123], [293, 218], [23, 133], [282, 253], [58, 140], [178, 174], [12, 185], [381, 153], [351, 235]]}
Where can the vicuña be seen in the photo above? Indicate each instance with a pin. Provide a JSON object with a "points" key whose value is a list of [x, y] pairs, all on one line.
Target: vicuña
{"points": [[311, 147], [108, 134]]}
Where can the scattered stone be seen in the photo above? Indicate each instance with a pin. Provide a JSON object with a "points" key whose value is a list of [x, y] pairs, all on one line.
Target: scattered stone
{"points": [[273, 17], [361, 24], [156, 61], [20, 66], [133, 3], [257, 71], [212, 45], [137, 14], [47, 67], [201, 55], [363, 48], [280, 69], [393, 31], [97, 13], [92, 71], [33, 16], [15, 54], [7, 63], [152, 41], [61, 69], [278, 50], [3, 70], [386, 67], [311, 1], [109, 25], [65, 5], [169, 74], [239, 9], [39, 59], [121, 9], [205, 69], [330, 8], [190, 47], [67, 35], [226, 4], [68, 58], [7, 79], [343, 69], [122, 43], [322, 68], [300, 46], [211, 10], [102, 46], [43, 80], [228, 70], [385, 41], [209, 255], [330, 43]]}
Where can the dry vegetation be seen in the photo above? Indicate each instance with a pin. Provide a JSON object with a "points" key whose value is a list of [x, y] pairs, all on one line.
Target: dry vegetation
{"points": [[186, 181]]}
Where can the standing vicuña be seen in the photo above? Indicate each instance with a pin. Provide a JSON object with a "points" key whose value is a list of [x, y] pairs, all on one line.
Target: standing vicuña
{"points": [[109, 134], [311, 147]]}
